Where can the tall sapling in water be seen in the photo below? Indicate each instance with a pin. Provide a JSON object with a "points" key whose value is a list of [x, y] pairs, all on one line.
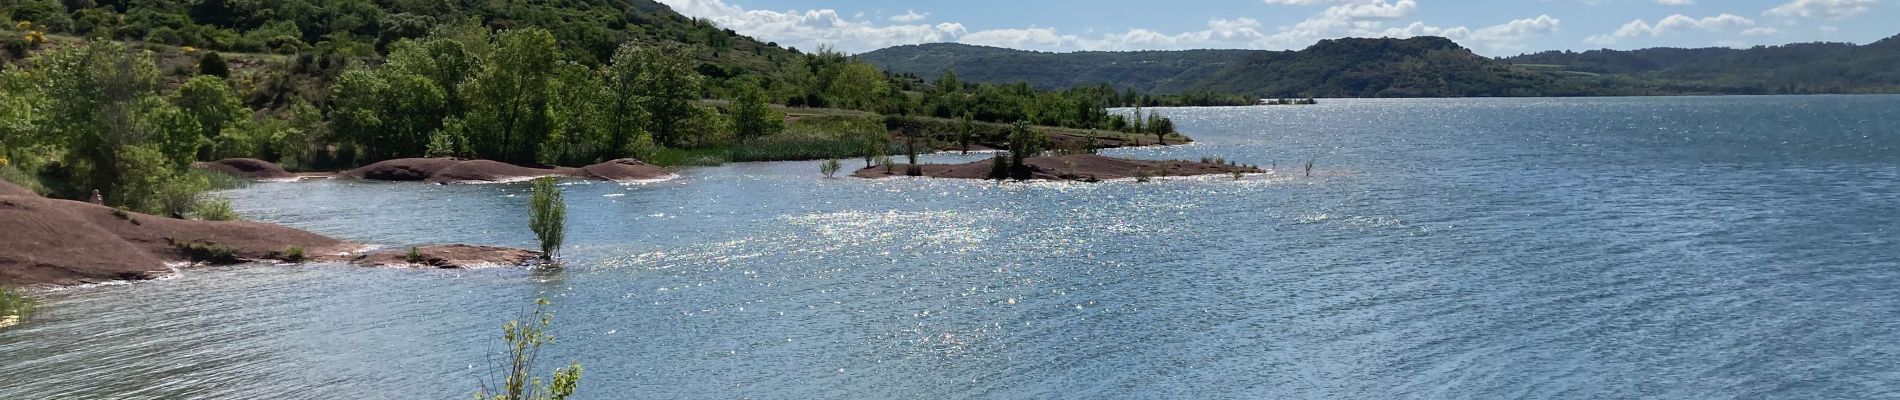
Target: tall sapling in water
{"points": [[548, 216]]}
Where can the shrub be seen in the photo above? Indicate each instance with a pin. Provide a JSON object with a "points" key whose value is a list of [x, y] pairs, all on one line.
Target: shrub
{"points": [[293, 253], [213, 64], [414, 256], [214, 209], [206, 252], [524, 347], [548, 216], [1143, 175], [830, 167], [14, 304]]}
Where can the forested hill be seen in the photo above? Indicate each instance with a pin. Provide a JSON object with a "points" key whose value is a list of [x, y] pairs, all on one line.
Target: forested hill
{"points": [[1425, 67], [1163, 71], [1415, 67], [1786, 69], [588, 31]]}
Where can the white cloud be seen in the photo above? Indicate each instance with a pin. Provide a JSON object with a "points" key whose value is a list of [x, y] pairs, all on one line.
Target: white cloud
{"points": [[911, 16], [810, 28], [1676, 2], [1829, 9], [1671, 23], [1761, 32], [1340, 18]]}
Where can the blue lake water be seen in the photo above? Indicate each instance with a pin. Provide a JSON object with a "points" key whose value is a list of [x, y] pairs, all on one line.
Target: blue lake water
{"points": [[1733, 247]]}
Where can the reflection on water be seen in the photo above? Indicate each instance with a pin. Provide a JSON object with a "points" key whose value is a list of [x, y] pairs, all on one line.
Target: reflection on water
{"points": [[1671, 248]]}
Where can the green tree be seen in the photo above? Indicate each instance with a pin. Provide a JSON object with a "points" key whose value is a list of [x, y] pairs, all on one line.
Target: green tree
{"points": [[389, 112], [114, 127], [752, 115], [548, 216], [669, 86], [580, 135], [509, 115], [209, 102], [626, 115], [858, 85]]}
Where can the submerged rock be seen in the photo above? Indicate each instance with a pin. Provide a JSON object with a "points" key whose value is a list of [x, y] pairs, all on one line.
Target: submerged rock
{"points": [[454, 256]]}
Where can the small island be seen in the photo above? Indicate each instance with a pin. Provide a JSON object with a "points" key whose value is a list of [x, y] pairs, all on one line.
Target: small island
{"points": [[1073, 167]]}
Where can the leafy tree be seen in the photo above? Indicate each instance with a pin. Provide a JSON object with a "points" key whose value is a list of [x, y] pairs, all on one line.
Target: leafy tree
{"points": [[119, 136], [580, 135], [548, 216], [752, 116], [509, 115], [209, 102], [669, 86], [626, 115]]}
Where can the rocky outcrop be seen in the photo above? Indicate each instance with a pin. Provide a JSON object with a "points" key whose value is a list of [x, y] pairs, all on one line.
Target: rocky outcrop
{"points": [[63, 242], [623, 170], [455, 170], [1078, 167], [247, 168]]}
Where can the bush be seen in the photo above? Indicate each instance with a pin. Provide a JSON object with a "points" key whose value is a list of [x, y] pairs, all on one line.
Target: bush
{"points": [[524, 347], [14, 304], [293, 254], [214, 209], [548, 216], [213, 64], [830, 167], [206, 252], [414, 255]]}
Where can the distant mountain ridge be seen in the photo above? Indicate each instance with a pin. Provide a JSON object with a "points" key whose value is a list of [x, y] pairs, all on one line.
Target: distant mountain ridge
{"points": [[1422, 67]]}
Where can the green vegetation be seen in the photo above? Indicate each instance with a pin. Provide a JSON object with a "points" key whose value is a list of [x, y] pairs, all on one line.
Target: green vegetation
{"points": [[143, 89], [293, 254], [830, 167], [206, 252], [548, 216], [414, 255], [524, 349], [214, 209], [14, 306]]}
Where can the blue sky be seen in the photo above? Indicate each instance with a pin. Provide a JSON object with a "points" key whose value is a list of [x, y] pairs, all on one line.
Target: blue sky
{"points": [[1490, 27]]}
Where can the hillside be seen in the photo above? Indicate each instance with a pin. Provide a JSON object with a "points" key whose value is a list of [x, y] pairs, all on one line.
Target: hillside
{"points": [[588, 31], [1424, 67], [1786, 69], [1416, 67], [1156, 71]]}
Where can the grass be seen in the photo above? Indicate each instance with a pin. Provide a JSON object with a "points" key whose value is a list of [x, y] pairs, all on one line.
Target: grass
{"points": [[14, 306], [293, 254]]}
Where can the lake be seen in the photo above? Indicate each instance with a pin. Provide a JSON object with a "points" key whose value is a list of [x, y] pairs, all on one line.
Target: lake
{"points": [[1714, 247]]}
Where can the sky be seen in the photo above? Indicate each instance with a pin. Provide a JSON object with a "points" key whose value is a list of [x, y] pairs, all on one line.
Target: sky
{"points": [[1489, 27]]}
